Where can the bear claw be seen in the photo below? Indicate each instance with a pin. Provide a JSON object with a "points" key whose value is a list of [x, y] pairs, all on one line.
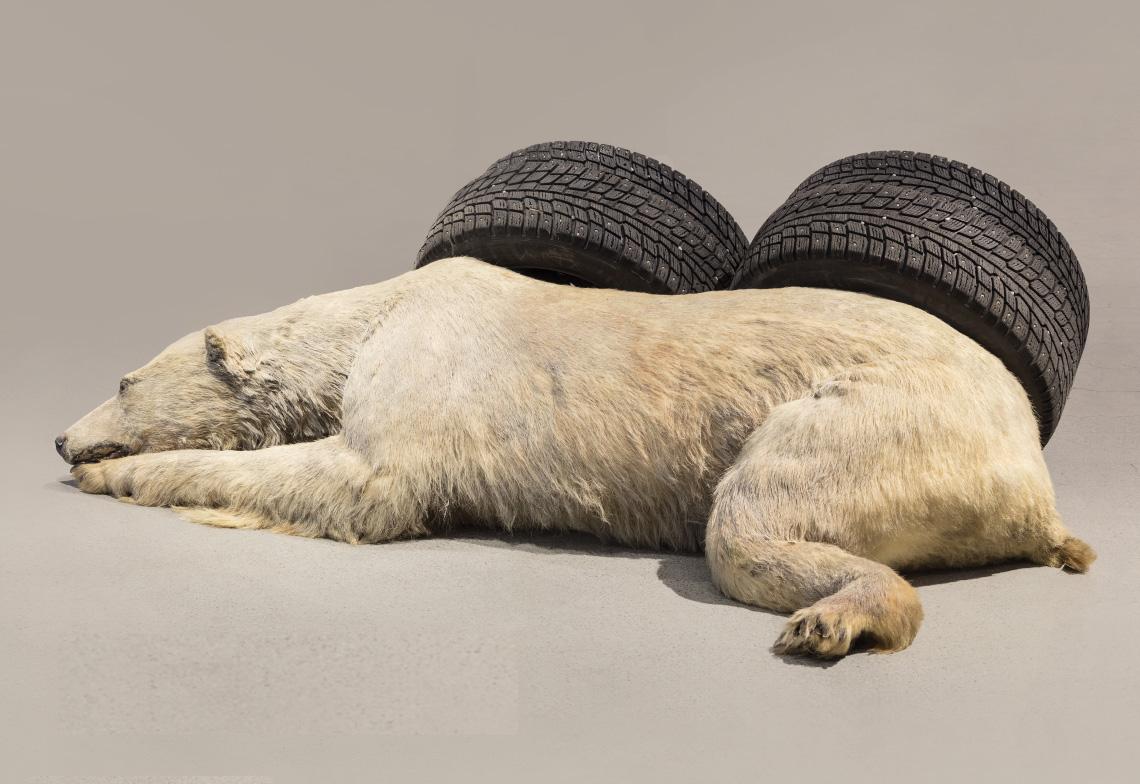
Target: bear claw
{"points": [[817, 632]]}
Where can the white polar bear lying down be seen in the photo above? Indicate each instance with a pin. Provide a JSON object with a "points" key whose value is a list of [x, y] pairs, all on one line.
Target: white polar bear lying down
{"points": [[813, 441]]}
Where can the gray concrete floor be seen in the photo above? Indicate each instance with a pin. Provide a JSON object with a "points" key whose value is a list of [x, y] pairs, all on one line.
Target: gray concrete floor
{"points": [[138, 641], [163, 169]]}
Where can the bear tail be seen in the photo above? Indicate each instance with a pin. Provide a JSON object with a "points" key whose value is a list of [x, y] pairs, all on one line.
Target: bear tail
{"points": [[1072, 553]]}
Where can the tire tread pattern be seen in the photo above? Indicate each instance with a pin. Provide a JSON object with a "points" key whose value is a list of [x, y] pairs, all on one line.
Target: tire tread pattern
{"points": [[1002, 271], [627, 211]]}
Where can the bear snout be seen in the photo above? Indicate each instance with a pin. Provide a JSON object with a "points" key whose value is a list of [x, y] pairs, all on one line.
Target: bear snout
{"points": [[93, 453], [97, 436]]}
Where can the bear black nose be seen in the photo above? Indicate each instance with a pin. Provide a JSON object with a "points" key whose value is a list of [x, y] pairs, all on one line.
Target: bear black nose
{"points": [[60, 445]]}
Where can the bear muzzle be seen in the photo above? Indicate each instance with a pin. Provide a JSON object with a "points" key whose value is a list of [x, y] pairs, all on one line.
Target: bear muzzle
{"points": [[97, 436], [104, 450]]}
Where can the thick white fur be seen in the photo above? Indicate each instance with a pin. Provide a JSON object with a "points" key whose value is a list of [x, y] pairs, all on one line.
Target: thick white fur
{"points": [[813, 441]]}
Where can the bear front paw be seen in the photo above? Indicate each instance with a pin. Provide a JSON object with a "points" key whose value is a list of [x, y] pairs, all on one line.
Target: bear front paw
{"points": [[90, 477], [115, 477]]}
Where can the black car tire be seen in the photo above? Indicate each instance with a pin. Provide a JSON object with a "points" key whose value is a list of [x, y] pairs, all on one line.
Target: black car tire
{"points": [[591, 214], [947, 238]]}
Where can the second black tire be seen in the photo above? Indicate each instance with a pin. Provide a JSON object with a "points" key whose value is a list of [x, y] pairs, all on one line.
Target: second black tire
{"points": [[947, 238], [591, 214]]}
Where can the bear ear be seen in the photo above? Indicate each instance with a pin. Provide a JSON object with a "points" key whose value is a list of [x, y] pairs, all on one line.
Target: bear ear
{"points": [[231, 355], [215, 346], [220, 351]]}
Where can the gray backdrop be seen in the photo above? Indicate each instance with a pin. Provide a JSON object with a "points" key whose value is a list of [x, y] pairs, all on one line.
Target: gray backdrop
{"points": [[163, 166]]}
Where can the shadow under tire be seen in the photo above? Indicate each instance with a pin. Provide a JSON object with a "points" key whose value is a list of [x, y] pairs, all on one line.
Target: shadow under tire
{"points": [[591, 214], [944, 237]]}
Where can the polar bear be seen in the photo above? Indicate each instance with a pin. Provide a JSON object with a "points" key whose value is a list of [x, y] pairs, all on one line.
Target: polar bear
{"points": [[813, 442]]}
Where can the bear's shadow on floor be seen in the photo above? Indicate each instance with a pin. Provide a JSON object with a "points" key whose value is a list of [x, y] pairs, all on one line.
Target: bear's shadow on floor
{"points": [[687, 574]]}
